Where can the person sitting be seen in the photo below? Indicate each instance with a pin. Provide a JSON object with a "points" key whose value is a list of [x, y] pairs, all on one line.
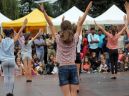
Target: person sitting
{"points": [[103, 66], [95, 63], [86, 65]]}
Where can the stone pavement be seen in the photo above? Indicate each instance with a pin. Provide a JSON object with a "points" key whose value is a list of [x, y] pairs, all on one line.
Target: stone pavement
{"points": [[94, 84]]}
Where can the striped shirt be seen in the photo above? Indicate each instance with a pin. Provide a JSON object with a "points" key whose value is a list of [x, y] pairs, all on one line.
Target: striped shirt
{"points": [[66, 53]]}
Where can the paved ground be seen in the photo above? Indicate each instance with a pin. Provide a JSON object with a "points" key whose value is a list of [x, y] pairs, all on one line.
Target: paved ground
{"points": [[91, 85]]}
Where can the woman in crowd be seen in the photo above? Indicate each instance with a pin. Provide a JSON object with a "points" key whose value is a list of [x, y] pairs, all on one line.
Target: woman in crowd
{"points": [[66, 52], [26, 53], [112, 44], [8, 58]]}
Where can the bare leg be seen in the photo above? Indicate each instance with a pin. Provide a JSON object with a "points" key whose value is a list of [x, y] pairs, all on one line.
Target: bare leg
{"points": [[78, 70], [66, 90], [73, 90], [29, 69], [25, 67]]}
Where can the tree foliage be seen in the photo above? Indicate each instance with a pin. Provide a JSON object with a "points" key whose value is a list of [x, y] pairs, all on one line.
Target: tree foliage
{"points": [[14, 8], [99, 6], [9, 8]]}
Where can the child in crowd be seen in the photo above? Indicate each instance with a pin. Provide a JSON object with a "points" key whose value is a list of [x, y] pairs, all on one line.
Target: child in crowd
{"points": [[56, 65], [86, 65], [95, 63], [19, 67], [51, 64], [126, 67], [121, 57], [38, 66], [103, 66]]}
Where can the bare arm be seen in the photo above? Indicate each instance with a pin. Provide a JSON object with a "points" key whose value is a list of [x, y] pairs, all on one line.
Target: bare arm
{"points": [[21, 29], [40, 30], [63, 18], [82, 19], [127, 10], [52, 28], [123, 30], [101, 28], [126, 24]]}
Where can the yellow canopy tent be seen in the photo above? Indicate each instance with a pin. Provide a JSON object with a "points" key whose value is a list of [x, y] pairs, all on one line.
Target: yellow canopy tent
{"points": [[36, 20]]}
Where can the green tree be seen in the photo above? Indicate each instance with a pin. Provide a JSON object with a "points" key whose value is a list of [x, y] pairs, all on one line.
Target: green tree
{"points": [[9, 8], [99, 6]]}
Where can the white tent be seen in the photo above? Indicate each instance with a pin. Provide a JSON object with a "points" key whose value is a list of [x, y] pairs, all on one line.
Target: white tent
{"points": [[112, 16], [3, 19], [72, 15]]}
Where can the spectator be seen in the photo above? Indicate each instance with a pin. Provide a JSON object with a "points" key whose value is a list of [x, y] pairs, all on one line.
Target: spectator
{"points": [[86, 65], [103, 66], [101, 42], [39, 44], [50, 45], [93, 40]]}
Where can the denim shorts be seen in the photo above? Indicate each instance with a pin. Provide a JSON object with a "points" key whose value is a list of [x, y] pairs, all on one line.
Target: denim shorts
{"points": [[24, 56], [68, 75]]}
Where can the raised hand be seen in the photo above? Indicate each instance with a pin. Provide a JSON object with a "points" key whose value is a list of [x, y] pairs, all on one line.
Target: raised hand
{"points": [[40, 31], [95, 22], [125, 19], [79, 19], [89, 6], [63, 18], [25, 21], [42, 8], [99, 26]]}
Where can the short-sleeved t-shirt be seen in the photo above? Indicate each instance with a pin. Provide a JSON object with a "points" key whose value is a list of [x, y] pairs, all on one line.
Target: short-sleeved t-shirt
{"points": [[66, 53]]}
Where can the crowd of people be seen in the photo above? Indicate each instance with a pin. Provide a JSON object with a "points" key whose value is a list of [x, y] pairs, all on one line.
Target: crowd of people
{"points": [[94, 50]]}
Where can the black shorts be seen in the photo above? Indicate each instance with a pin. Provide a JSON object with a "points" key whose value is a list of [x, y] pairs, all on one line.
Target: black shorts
{"points": [[78, 59]]}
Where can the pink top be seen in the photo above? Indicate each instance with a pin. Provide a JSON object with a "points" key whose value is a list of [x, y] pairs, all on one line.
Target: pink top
{"points": [[66, 53], [112, 41]]}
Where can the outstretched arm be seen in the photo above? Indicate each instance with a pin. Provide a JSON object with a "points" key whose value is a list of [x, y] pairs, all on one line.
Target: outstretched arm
{"points": [[40, 30], [101, 28], [52, 28], [82, 19], [21, 29], [125, 27], [126, 24], [123, 30], [127, 10], [63, 18]]}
